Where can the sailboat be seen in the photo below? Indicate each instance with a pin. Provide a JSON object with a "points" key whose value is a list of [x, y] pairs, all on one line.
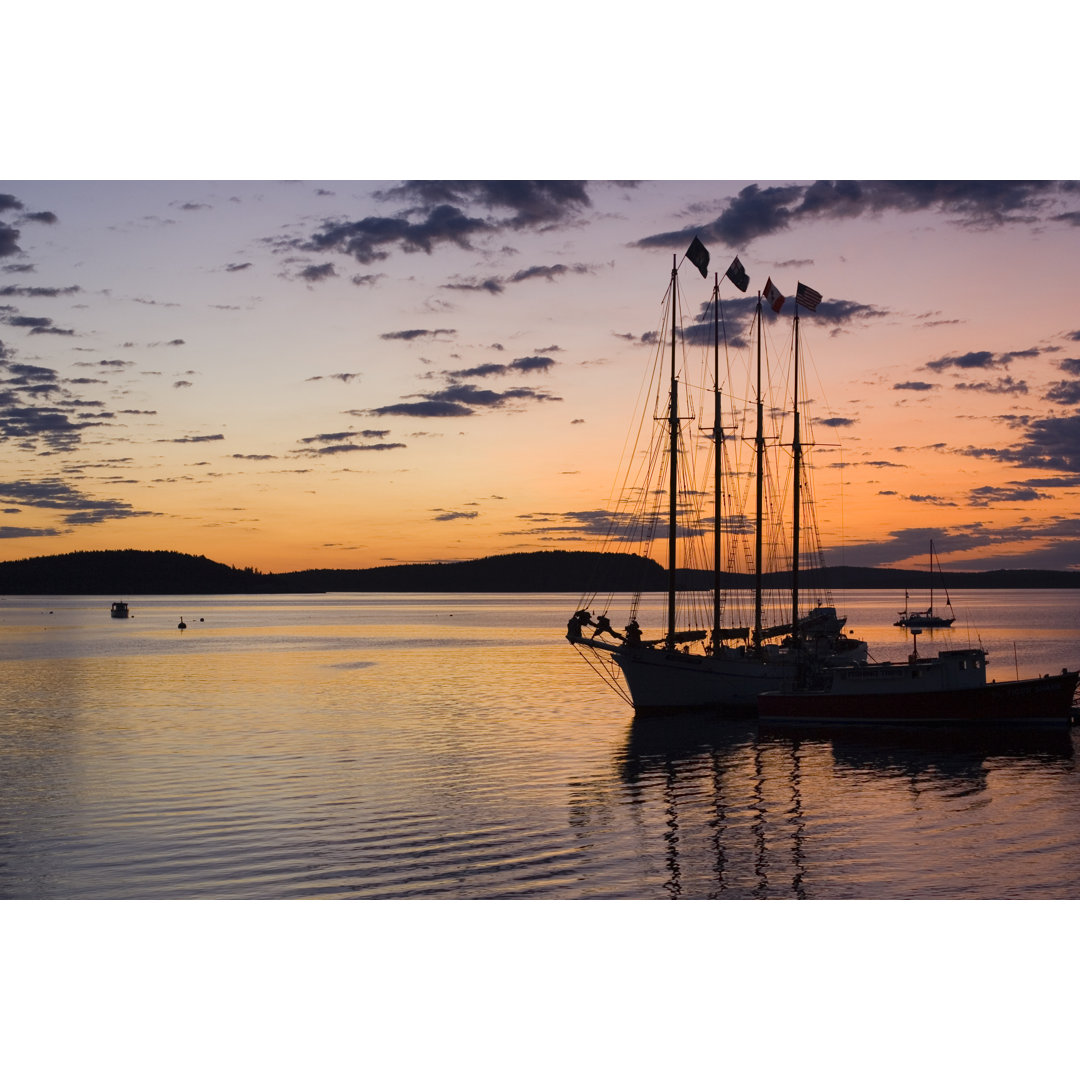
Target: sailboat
{"points": [[926, 619], [700, 666]]}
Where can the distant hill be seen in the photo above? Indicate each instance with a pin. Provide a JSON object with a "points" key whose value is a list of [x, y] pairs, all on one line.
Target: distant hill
{"points": [[125, 573], [122, 574], [131, 573]]}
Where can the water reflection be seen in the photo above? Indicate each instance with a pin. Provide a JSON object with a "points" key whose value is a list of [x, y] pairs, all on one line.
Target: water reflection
{"points": [[728, 810]]}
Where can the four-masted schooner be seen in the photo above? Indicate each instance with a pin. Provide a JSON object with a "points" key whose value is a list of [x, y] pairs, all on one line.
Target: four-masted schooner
{"points": [[703, 667]]}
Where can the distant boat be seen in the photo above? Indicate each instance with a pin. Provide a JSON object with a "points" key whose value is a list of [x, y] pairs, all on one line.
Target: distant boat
{"points": [[926, 619], [949, 688], [119, 610]]}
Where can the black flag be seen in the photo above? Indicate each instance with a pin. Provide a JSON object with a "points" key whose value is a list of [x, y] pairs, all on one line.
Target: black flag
{"points": [[739, 277], [698, 254]]}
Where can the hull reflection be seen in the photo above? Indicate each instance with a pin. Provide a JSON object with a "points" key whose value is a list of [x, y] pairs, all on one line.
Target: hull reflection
{"points": [[738, 811]]}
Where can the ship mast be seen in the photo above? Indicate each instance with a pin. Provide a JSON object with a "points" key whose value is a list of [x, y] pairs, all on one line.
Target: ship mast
{"points": [[759, 450], [674, 474], [796, 453], [718, 442]]}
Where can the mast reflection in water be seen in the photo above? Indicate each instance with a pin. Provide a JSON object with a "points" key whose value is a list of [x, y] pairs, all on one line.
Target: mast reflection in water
{"points": [[731, 811]]}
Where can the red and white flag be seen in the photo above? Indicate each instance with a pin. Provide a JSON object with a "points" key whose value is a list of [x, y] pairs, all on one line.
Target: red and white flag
{"points": [[773, 296]]}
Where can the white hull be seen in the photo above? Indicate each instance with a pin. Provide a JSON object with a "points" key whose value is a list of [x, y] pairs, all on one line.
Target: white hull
{"points": [[663, 681]]}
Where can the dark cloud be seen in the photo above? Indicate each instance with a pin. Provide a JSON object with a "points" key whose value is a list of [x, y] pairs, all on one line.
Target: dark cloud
{"points": [[497, 285], [413, 335], [52, 494], [193, 439], [341, 376], [980, 360], [16, 532], [35, 291], [347, 448], [737, 317], [449, 212], [1051, 443], [455, 515], [548, 273], [1064, 393], [522, 365], [836, 422], [756, 212], [491, 285], [531, 203], [1006, 385], [366, 240], [918, 387], [318, 273], [989, 495], [421, 408], [9, 241], [1058, 540], [234, 267], [577, 526], [33, 412], [338, 436]]}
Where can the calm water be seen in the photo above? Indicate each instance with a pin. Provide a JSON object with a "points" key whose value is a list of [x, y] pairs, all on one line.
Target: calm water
{"points": [[457, 747]]}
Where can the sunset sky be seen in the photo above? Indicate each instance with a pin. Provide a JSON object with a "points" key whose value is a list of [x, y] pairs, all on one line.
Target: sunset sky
{"points": [[327, 373]]}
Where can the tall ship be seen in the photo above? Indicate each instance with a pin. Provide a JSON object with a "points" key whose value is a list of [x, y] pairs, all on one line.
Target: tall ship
{"points": [[688, 493]]}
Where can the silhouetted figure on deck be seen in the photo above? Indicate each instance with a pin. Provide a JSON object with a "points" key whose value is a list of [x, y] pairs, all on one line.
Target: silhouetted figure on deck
{"points": [[577, 621], [633, 633], [603, 626]]}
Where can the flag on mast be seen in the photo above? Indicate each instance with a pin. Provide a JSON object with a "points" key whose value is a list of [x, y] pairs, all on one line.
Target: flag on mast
{"points": [[739, 277], [774, 297], [698, 254], [809, 298]]}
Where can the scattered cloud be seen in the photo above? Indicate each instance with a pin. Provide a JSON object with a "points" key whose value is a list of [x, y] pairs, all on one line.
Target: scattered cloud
{"points": [[455, 515], [437, 212], [416, 335], [756, 212]]}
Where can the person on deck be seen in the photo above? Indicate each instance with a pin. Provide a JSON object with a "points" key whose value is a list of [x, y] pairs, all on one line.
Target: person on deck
{"points": [[577, 621], [603, 626]]}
